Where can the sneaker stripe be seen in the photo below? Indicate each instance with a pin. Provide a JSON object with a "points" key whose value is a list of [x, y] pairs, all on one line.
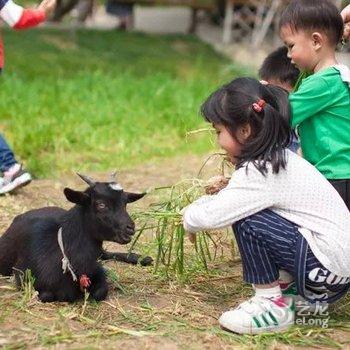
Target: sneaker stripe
{"points": [[292, 306], [273, 318], [265, 320], [256, 322]]}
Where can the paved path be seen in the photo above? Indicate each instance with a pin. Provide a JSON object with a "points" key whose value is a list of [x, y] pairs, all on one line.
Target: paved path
{"points": [[165, 20]]}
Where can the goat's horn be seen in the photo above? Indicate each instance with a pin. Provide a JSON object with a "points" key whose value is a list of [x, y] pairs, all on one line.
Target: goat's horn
{"points": [[113, 176], [87, 179]]}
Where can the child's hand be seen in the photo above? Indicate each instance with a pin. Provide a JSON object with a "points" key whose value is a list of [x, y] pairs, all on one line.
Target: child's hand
{"points": [[216, 184], [192, 237], [346, 33], [346, 18], [47, 6]]}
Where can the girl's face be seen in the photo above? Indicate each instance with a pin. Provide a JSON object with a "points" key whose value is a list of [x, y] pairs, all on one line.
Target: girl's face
{"points": [[232, 145]]}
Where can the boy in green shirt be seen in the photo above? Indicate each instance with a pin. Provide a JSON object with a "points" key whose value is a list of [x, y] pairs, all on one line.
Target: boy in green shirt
{"points": [[311, 29]]}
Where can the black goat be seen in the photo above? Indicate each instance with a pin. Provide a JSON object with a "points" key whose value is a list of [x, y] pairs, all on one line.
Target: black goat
{"points": [[61, 247]]}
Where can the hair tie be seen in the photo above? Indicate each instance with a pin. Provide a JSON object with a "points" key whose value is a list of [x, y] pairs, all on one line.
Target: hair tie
{"points": [[259, 106]]}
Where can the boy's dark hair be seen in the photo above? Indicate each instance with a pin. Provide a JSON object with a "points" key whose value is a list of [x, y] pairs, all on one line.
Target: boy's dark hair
{"points": [[232, 106], [317, 15], [278, 66]]}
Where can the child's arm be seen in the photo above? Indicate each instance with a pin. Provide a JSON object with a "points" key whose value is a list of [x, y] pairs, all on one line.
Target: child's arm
{"points": [[19, 18], [246, 194], [312, 97]]}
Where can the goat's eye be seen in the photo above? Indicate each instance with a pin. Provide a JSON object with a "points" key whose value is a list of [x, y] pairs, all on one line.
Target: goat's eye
{"points": [[101, 205]]}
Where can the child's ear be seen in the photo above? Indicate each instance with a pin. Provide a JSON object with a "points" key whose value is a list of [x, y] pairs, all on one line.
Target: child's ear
{"points": [[244, 132], [317, 40]]}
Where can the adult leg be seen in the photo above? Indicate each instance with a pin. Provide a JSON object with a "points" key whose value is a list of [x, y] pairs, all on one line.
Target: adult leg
{"points": [[14, 175], [7, 158]]}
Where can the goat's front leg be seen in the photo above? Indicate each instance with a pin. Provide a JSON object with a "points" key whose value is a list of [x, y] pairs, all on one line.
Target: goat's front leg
{"points": [[99, 288], [129, 258]]}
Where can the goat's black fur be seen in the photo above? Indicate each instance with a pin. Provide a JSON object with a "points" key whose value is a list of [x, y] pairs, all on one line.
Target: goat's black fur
{"points": [[30, 243]]}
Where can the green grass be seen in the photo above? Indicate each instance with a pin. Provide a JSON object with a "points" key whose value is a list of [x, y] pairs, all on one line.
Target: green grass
{"points": [[96, 100]]}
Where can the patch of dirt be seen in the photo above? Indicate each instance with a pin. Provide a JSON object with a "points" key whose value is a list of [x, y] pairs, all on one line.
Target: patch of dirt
{"points": [[181, 46], [59, 42], [149, 312], [46, 192]]}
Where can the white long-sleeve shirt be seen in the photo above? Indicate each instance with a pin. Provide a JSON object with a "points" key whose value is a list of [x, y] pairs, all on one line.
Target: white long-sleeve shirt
{"points": [[299, 193]]}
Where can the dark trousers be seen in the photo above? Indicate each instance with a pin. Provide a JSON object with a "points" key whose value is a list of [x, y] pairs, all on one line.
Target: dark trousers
{"points": [[269, 243], [343, 188]]}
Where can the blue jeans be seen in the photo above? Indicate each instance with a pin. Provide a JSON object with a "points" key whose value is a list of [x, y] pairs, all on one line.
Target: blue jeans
{"points": [[7, 158]]}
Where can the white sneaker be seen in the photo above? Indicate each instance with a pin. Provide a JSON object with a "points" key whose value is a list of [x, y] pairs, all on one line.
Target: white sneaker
{"points": [[14, 178], [259, 315]]}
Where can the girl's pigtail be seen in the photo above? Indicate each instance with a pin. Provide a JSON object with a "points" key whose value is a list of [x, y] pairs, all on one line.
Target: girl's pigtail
{"points": [[271, 122]]}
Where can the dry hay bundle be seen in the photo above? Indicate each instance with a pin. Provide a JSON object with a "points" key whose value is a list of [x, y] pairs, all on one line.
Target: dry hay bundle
{"points": [[175, 255]]}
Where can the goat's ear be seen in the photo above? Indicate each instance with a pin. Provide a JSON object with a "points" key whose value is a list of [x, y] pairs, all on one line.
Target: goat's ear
{"points": [[133, 197], [76, 197]]}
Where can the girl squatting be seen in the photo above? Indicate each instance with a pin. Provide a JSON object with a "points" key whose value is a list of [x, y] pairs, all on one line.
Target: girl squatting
{"points": [[290, 223]]}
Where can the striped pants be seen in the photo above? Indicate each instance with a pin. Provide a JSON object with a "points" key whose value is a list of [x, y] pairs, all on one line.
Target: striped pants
{"points": [[268, 243]]}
